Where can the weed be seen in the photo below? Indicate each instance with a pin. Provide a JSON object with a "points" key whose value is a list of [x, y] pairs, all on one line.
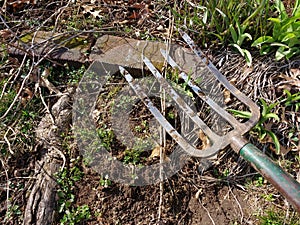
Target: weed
{"points": [[238, 36], [76, 215], [13, 210], [292, 100], [68, 74], [272, 217], [259, 129], [214, 18], [105, 181], [66, 179], [134, 155], [286, 33], [259, 181], [106, 136]]}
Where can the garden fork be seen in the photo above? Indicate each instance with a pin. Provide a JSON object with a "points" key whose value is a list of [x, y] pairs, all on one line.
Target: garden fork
{"points": [[280, 179]]}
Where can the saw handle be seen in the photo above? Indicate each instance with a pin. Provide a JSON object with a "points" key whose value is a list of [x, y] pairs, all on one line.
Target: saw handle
{"points": [[280, 179]]}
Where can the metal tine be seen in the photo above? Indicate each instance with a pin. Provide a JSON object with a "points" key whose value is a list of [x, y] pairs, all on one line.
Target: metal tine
{"points": [[183, 105], [163, 122], [239, 95], [216, 107]]}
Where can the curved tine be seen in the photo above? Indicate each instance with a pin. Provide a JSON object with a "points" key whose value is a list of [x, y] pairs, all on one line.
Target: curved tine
{"points": [[239, 95], [164, 123], [197, 90], [183, 105]]}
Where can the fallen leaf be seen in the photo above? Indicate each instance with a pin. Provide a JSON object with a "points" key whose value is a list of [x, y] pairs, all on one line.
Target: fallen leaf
{"points": [[6, 34], [227, 96], [205, 143], [156, 154]]}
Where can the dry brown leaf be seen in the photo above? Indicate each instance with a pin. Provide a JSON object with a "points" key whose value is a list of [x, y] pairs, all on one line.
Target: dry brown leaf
{"points": [[227, 96], [156, 154], [90, 9], [205, 143], [6, 34], [19, 4]]}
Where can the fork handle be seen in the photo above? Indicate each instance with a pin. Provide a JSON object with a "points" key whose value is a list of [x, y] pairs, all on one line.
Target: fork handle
{"points": [[280, 179]]}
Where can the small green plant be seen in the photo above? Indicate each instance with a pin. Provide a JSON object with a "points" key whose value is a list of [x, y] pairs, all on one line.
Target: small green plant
{"points": [[106, 136], [259, 129], [226, 173], [286, 33], [272, 217], [238, 36], [66, 180], [292, 100], [75, 75], [13, 210], [76, 215], [105, 181], [132, 156], [268, 197], [259, 181]]}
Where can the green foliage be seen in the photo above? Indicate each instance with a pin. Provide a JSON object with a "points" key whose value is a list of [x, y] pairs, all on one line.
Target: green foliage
{"points": [[238, 36], [76, 215], [75, 75], [105, 181], [13, 210], [214, 18], [259, 129], [106, 136], [134, 155], [285, 38], [259, 181], [70, 214], [292, 100], [272, 217]]}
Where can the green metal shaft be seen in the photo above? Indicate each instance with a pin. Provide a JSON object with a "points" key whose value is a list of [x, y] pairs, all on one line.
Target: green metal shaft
{"points": [[281, 180]]}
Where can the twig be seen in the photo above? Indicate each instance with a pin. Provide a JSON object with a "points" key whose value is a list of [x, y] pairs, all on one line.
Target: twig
{"points": [[8, 203], [240, 207], [21, 88], [47, 108], [211, 219], [62, 156], [7, 141]]}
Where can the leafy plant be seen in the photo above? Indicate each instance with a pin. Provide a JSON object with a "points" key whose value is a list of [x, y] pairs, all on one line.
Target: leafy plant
{"points": [[105, 181], [292, 99], [259, 181], [75, 215], [259, 128], [238, 38], [106, 136], [132, 156], [70, 214], [212, 19], [286, 33], [272, 217]]}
